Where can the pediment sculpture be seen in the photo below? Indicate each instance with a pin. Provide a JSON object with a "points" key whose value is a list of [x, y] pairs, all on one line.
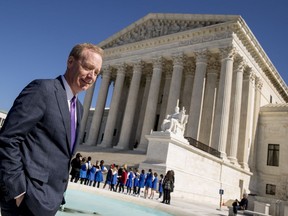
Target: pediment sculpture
{"points": [[156, 28]]}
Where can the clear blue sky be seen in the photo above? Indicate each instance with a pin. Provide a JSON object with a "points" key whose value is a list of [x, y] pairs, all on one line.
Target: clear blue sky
{"points": [[36, 36]]}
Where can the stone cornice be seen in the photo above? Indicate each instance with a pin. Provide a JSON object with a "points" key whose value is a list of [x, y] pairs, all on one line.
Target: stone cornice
{"points": [[254, 48]]}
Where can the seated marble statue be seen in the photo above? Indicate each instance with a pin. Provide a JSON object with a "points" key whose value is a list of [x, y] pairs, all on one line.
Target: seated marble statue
{"points": [[176, 122]]}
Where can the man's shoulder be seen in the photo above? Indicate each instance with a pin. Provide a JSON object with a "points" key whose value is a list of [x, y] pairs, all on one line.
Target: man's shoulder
{"points": [[47, 83], [44, 82]]}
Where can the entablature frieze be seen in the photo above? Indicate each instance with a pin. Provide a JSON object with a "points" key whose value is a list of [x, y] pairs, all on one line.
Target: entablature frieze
{"points": [[182, 39]]}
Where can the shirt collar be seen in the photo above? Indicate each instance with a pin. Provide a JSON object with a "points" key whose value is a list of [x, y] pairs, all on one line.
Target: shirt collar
{"points": [[69, 92]]}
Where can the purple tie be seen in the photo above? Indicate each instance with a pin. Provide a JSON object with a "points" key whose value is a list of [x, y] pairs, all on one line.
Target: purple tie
{"points": [[73, 121]]}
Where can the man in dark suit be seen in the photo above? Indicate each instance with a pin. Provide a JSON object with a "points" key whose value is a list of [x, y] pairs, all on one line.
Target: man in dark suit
{"points": [[37, 140]]}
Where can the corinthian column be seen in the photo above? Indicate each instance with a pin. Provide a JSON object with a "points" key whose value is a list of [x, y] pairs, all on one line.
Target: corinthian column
{"points": [[175, 86], [220, 128], [193, 124], [148, 73], [167, 70], [257, 102], [130, 107], [86, 106], [150, 112], [112, 115], [189, 72], [246, 116], [100, 105], [209, 100], [239, 67]]}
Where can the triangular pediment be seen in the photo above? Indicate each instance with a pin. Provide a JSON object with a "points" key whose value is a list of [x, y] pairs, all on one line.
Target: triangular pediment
{"points": [[157, 25]]}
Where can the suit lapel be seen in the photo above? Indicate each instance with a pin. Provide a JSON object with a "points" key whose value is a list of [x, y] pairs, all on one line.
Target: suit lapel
{"points": [[64, 109]]}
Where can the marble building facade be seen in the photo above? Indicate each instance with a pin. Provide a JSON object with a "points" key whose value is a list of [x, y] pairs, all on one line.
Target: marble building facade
{"points": [[212, 64], [2, 118]]}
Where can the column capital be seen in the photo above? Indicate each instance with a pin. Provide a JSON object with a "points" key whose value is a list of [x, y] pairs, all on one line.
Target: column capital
{"points": [[227, 52], [249, 74], [202, 56], [239, 63], [258, 82], [121, 68], [213, 64], [106, 71], [190, 67], [178, 59], [157, 62], [138, 66]]}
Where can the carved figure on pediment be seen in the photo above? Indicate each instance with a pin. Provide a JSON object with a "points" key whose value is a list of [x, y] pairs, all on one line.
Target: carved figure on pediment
{"points": [[119, 41], [176, 122], [183, 25], [165, 28], [174, 27], [150, 29], [142, 32], [134, 35], [158, 29]]}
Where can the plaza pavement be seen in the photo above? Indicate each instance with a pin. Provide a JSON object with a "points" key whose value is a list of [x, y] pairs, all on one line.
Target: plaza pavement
{"points": [[178, 207]]}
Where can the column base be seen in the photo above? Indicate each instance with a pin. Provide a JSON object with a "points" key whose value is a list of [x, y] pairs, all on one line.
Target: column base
{"points": [[88, 143], [234, 161], [105, 145], [223, 156], [245, 166], [143, 146], [120, 147]]}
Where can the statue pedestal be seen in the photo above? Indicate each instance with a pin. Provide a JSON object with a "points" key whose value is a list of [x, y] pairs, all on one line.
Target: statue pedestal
{"points": [[161, 147], [198, 174]]}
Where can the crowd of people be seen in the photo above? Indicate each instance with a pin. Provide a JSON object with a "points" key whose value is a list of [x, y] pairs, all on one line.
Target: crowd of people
{"points": [[122, 179]]}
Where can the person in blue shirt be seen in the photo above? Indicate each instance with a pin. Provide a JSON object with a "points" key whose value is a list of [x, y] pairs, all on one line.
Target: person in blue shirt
{"points": [[142, 178], [160, 186], [154, 186], [148, 182]]}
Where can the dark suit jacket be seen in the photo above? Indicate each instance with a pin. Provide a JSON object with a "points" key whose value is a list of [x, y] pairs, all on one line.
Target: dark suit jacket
{"points": [[35, 146]]}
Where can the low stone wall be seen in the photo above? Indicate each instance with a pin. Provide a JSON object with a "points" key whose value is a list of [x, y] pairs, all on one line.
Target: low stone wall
{"points": [[198, 175]]}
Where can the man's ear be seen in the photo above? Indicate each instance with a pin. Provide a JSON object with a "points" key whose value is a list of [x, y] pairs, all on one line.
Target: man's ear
{"points": [[70, 61]]}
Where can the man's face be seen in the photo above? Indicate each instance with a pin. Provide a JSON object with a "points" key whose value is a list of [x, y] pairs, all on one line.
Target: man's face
{"points": [[82, 73]]}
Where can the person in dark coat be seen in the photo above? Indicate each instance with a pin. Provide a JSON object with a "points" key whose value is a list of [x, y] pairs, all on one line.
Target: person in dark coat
{"points": [[168, 186], [242, 205], [75, 168], [39, 136]]}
